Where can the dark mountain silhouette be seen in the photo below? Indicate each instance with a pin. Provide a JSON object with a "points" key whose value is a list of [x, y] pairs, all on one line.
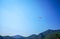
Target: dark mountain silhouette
{"points": [[17, 36], [1, 37], [49, 34], [34, 36], [7, 37]]}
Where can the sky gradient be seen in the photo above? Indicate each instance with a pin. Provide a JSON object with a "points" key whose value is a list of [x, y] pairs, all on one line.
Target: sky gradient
{"points": [[26, 17]]}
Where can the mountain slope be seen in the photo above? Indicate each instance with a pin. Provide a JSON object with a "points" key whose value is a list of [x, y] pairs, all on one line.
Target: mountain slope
{"points": [[49, 34]]}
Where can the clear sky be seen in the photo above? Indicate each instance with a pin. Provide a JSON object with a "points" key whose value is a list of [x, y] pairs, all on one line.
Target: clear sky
{"points": [[26, 17]]}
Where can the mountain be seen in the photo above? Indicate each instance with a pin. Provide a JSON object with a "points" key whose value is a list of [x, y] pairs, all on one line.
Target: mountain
{"points": [[48, 34], [34, 36], [17, 37], [1, 37], [7, 37], [43, 34]]}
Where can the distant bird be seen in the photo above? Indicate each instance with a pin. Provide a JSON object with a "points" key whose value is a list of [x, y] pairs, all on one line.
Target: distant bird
{"points": [[40, 17]]}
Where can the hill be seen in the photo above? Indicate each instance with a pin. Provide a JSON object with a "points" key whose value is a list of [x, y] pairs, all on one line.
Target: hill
{"points": [[49, 34]]}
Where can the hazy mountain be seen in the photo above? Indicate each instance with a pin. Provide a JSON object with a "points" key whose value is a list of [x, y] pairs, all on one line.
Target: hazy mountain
{"points": [[1, 37], [17, 36], [51, 33], [7, 37], [34, 36]]}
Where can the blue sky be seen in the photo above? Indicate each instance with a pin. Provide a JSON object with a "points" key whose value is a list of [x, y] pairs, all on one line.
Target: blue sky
{"points": [[26, 17]]}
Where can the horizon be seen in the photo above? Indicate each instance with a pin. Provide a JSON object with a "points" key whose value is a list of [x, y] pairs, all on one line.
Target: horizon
{"points": [[26, 17], [32, 34]]}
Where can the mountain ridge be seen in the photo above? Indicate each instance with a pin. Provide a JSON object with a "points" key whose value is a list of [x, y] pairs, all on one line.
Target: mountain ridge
{"points": [[33, 36]]}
